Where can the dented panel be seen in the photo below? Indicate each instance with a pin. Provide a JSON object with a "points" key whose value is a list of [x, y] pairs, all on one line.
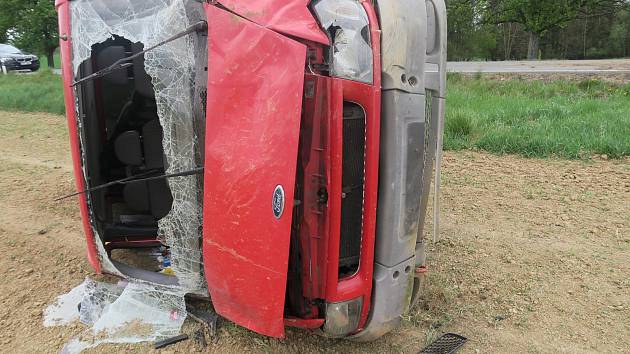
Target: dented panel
{"points": [[253, 121], [290, 17]]}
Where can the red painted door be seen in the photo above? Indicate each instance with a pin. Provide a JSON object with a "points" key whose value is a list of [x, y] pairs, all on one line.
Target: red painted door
{"points": [[255, 85]]}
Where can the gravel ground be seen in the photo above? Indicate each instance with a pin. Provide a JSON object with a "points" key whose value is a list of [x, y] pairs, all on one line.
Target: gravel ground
{"points": [[534, 255]]}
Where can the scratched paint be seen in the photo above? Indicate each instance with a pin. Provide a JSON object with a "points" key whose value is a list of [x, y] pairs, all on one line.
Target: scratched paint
{"points": [[246, 249]]}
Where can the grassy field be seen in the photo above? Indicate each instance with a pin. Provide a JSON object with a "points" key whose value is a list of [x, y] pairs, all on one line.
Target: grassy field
{"points": [[57, 60], [568, 119], [37, 92]]}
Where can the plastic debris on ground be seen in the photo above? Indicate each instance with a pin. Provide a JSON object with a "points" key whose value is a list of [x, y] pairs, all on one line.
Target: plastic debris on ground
{"points": [[64, 310], [127, 312]]}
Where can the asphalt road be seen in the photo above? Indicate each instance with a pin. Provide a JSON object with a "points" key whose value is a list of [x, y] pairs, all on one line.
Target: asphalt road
{"points": [[545, 66], [611, 66]]}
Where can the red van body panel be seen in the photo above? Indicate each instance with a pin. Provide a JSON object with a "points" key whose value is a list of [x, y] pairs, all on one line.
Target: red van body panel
{"points": [[290, 17], [63, 9], [252, 133]]}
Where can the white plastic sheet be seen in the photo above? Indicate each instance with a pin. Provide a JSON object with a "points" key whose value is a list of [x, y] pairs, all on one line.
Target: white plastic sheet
{"points": [[118, 313], [64, 310]]}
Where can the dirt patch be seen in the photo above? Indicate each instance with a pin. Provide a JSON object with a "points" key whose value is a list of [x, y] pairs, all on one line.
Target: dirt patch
{"points": [[534, 255], [614, 78]]}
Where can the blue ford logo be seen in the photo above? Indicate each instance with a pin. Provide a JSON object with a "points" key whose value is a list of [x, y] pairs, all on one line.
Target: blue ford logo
{"points": [[277, 204]]}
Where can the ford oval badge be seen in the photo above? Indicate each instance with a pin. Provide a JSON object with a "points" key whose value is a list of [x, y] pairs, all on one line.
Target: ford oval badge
{"points": [[277, 204]]}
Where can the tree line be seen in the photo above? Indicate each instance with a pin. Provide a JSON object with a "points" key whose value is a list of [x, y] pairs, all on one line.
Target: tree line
{"points": [[30, 25], [538, 29]]}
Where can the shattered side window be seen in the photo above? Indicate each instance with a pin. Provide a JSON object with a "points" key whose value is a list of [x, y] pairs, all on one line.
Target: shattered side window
{"points": [[172, 68], [347, 25]]}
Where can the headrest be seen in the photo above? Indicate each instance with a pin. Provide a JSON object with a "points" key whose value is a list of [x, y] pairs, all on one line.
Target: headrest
{"points": [[107, 57], [128, 149]]}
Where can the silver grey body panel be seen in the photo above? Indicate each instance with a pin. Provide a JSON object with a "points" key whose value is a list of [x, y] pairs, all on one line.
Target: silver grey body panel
{"points": [[409, 140]]}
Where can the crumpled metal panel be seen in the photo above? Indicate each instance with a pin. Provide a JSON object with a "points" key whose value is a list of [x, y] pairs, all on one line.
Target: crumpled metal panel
{"points": [[255, 85], [290, 17]]}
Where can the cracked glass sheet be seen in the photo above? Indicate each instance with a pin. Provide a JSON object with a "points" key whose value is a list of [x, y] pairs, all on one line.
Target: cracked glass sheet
{"points": [[119, 313], [172, 70], [348, 27], [96, 296]]}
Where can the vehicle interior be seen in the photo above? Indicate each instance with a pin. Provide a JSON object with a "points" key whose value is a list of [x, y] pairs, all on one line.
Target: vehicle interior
{"points": [[122, 139]]}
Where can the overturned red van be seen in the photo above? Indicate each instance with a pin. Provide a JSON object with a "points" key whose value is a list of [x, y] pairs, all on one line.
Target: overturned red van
{"points": [[278, 152]]}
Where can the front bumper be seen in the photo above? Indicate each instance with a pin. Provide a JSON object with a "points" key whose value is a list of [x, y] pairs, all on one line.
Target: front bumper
{"points": [[16, 66]]}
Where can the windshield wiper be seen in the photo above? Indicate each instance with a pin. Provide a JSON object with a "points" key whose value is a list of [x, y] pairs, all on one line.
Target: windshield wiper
{"points": [[124, 62], [136, 179]]}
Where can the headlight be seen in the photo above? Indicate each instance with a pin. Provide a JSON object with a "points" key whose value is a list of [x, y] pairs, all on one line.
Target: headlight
{"points": [[342, 318], [348, 27], [6, 60]]}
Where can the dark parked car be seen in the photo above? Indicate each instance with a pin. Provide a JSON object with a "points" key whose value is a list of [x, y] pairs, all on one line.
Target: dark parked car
{"points": [[12, 58]]}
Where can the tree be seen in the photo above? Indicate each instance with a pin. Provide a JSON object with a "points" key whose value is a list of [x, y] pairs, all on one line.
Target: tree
{"points": [[31, 25], [619, 38], [540, 16], [468, 38], [5, 24]]}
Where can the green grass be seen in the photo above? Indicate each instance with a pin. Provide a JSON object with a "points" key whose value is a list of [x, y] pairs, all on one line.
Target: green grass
{"points": [[37, 92], [566, 119], [57, 60]]}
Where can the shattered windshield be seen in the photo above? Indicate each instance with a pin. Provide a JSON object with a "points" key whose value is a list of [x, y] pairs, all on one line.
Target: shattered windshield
{"points": [[145, 307], [175, 83]]}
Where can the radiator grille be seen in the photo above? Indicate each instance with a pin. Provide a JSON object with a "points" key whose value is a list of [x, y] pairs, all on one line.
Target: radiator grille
{"points": [[353, 169]]}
